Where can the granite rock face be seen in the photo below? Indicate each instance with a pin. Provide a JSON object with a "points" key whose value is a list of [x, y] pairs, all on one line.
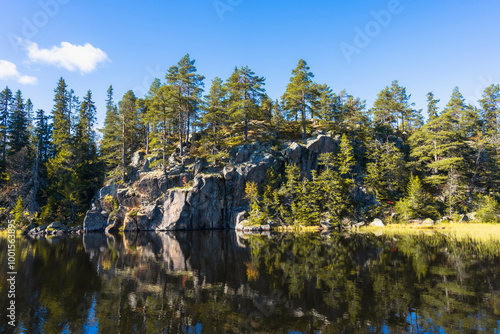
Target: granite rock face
{"points": [[94, 221], [192, 194]]}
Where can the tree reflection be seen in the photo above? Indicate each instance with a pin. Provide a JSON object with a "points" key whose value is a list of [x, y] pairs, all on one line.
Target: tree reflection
{"points": [[221, 282]]}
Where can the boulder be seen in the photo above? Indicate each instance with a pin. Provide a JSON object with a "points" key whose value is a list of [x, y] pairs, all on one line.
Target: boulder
{"points": [[295, 153], [244, 152], [116, 221], [28, 228], [464, 219], [321, 144], [172, 160], [94, 221], [176, 170], [137, 158], [199, 164], [129, 224], [377, 223], [240, 218], [57, 233], [472, 216], [145, 168], [152, 186], [110, 190], [38, 230], [114, 225], [428, 222], [56, 226], [142, 222], [131, 202], [326, 224], [188, 160]]}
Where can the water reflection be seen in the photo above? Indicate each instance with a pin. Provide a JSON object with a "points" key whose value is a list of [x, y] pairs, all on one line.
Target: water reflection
{"points": [[221, 282]]}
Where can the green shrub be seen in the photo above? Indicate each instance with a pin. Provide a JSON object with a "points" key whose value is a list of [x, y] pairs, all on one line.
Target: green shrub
{"points": [[19, 213], [218, 158], [489, 210]]}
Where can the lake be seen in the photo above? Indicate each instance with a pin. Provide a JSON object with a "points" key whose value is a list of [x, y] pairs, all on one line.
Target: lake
{"points": [[224, 282]]}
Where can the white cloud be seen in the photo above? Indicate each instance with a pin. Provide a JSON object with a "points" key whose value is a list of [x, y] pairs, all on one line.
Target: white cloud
{"points": [[8, 71], [71, 57]]}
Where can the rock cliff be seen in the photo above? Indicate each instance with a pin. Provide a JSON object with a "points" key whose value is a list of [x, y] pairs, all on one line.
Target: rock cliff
{"points": [[195, 195]]}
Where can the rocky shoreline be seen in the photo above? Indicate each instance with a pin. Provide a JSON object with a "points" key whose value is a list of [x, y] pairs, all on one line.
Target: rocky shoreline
{"points": [[55, 229]]}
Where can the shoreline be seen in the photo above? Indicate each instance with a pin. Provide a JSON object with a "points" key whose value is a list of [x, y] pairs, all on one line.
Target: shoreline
{"points": [[474, 231]]}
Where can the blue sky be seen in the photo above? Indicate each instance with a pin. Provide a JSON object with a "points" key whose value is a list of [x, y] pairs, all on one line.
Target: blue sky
{"points": [[360, 46]]}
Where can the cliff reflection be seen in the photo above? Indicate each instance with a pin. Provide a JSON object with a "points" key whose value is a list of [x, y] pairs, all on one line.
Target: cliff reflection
{"points": [[222, 282]]}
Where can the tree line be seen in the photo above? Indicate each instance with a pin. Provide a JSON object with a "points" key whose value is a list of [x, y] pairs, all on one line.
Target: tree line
{"points": [[51, 165]]}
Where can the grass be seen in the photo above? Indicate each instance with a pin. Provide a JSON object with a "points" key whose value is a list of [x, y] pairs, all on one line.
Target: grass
{"points": [[459, 231], [5, 233]]}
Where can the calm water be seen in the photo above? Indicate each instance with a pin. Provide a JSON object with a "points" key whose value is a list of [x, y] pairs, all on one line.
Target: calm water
{"points": [[220, 282]]}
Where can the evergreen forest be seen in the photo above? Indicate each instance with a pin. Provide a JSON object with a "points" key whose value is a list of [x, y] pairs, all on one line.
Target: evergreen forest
{"points": [[415, 164]]}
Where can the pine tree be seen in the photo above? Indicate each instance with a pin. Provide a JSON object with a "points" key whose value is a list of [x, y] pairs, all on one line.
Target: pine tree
{"points": [[189, 87], [146, 112], [345, 159], [85, 148], [386, 173], [86, 121], [18, 125], [216, 114], [277, 119], [336, 182], [142, 110], [29, 119], [43, 133], [61, 135], [128, 125], [300, 94], [18, 212], [417, 203], [73, 111], [289, 191], [160, 115], [329, 105], [179, 112], [441, 151], [432, 108], [6, 100], [266, 109], [393, 111], [245, 93], [192, 87], [351, 118], [490, 104], [307, 206], [64, 185], [111, 144], [460, 117]]}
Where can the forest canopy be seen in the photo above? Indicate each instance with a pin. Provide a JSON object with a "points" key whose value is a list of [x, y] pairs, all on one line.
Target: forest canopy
{"points": [[52, 163]]}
